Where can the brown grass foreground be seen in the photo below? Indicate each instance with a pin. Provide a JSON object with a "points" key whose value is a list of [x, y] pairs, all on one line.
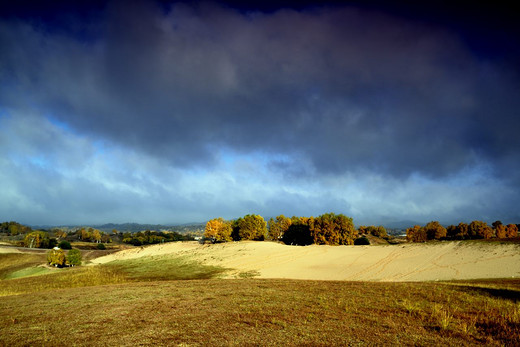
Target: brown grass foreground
{"points": [[265, 312]]}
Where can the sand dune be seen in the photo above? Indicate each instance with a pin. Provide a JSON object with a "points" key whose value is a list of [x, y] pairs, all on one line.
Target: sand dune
{"points": [[408, 262]]}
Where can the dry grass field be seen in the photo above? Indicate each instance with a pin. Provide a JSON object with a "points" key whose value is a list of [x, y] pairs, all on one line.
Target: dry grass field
{"points": [[170, 299]]}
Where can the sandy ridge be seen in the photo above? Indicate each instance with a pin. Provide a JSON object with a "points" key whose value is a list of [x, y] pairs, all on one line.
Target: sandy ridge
{"points": [[408, 262]]}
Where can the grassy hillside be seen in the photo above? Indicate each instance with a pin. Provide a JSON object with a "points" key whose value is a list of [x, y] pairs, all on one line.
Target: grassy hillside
{"points": [[145, 301]]}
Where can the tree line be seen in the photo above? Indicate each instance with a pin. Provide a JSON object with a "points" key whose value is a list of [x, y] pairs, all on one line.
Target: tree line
{"points": [[327, 229], [152, 237], [463, 231]]}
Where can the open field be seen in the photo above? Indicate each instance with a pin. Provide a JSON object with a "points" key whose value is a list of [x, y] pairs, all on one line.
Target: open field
{"points": [[265, 312], [172, 294]]}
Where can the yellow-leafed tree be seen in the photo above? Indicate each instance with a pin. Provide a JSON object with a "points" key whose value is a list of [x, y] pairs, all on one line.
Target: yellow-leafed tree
{"points": [[218, 230], [56, 257]]}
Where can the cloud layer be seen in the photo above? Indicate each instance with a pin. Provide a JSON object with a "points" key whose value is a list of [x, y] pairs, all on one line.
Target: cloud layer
{"points": [[194, 111]]}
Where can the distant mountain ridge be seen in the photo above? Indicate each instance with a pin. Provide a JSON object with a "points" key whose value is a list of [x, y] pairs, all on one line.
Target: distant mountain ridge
{"points": [[134, 227]]}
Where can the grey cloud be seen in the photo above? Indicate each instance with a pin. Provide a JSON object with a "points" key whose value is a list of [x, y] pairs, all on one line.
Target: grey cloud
{"points": [[346, 89]]}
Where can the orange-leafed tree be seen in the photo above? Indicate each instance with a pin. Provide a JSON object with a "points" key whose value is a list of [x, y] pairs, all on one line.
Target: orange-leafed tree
{"points": [[500, 230], [416, 234], [512, 230], [435, 231], [479, 229]]}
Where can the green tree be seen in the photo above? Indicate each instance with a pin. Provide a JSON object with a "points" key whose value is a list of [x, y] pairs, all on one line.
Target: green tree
{"points": [[250, 227], [74, 257], [278, 227], [56, 257], [333, 229], [64, 244], [299, 232]]}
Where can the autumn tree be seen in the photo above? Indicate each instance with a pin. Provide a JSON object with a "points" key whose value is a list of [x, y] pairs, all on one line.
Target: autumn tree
{"points": [[96, 235], [435, 231], [333, 229], [416, 234], [459, 232], [60, 234], [105, 238], [56, 257], [84, 235], [378, 231], [218, 230], [14, 228], [500, 229], [37, 239], [511, 231], [278, 227], [250, 227], [479, 229]]}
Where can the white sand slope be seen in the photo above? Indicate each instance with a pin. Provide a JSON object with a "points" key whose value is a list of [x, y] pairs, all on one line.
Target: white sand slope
{"points": [[408, 262]]}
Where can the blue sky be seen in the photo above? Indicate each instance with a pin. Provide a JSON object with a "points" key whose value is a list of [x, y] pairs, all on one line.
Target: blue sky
{"points": [[175, 112]]}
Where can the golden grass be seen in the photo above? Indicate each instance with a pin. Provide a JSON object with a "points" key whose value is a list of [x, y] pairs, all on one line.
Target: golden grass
{"points": [[262, 312]]}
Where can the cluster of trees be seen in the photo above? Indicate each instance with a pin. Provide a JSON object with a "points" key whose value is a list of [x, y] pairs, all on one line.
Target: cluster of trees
{"points": [[475, 230], [56, 257], [39, 239], [151, 237], [327, 229], [13, 228], [93, 235]]}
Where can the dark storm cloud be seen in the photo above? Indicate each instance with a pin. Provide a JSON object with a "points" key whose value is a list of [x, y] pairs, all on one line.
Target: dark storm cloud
{"points": [[343, 88]]}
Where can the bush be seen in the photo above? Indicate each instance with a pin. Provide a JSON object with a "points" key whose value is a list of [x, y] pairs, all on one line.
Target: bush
{"points": [[362, 241], [101, 246], [64, 244]]}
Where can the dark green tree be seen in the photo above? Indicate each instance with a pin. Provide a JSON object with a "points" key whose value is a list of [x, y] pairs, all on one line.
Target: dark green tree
{"points": [[298, 233]]}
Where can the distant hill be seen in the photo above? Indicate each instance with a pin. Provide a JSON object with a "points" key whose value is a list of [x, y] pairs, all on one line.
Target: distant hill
{"points": [[136, 227], [403, 225]]}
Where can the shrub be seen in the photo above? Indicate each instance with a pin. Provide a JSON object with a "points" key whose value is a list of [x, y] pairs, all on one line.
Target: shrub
{"points": [[101, 246], [64, 244]]}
